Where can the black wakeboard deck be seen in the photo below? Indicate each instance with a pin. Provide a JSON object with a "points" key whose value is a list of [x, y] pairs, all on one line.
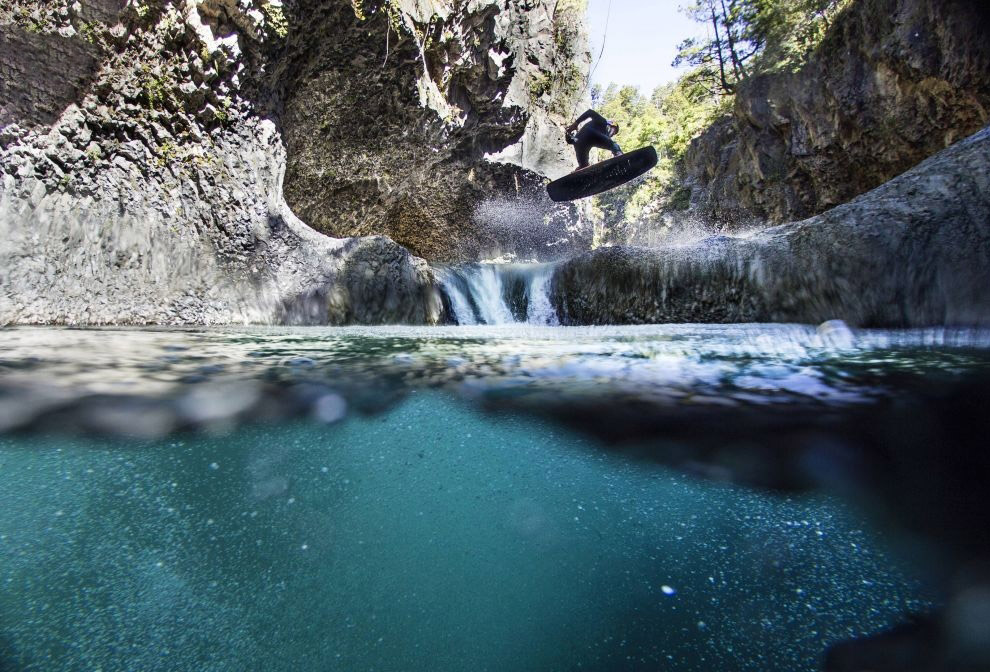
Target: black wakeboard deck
{"points": [[603, 175]]}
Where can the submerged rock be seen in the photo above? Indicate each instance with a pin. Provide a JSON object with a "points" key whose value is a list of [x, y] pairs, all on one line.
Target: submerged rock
{"points": [[913, 252]]}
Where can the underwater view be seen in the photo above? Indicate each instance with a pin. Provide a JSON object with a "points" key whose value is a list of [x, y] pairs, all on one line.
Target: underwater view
{"points": [[457, 498]]}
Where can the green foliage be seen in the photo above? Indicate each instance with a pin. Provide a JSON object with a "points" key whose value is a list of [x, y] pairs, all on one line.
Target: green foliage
{"points": [[395, 20], [167, 152], [39, 26], [558, 89], [156, 88], [668, 119], [566, 26], [358, 7], [749, 36], [222, 114], [540, 85], [90, 32], [34, 16], [792, 30], [745, 37], [96, 34], [276, 19], [154, 92]]}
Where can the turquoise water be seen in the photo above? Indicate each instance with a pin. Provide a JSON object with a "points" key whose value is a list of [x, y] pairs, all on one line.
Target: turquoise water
{"points": [[430, 537], [428, 534]]}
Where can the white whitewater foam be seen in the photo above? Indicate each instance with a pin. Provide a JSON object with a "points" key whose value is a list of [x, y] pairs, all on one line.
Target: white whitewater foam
{"points": [[463, 312], [540, 310]]}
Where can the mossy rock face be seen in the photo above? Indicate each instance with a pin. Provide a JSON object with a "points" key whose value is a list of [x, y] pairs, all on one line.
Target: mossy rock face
{"points": [[893, 82], [393, 142]]}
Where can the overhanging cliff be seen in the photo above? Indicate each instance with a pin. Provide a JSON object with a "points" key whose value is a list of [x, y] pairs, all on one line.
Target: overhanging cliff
{"points": [[387, 123], [143, 147]]}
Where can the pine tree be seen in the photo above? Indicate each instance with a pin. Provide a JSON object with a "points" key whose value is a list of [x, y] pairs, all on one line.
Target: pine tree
{"points": [[747, 36]]}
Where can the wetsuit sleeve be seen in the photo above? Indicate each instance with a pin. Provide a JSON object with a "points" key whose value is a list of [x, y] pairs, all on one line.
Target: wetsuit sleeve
{"points": [[594, 116]]}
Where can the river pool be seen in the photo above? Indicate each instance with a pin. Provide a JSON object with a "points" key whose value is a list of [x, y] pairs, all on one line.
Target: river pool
{"points": [[457, 498]]}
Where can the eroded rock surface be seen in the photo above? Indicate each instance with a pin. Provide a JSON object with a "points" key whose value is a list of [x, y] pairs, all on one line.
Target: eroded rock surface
{"points": [[914, 252], [387, 124], [894, 82], [143, 152]]}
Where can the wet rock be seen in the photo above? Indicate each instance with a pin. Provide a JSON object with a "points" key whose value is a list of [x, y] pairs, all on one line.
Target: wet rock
{"points": [[378, 282]]}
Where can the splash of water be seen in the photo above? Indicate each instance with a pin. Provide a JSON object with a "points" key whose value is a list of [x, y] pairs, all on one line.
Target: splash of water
{"points": [[528, 226], [680, 230]]}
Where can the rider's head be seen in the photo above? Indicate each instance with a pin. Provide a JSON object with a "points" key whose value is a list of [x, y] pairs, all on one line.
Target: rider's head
{"points": [[613, 129]]}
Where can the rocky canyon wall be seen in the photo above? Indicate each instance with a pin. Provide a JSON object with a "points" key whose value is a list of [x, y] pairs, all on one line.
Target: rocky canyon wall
{"points": [[894, 82], [914, 252], [388, 123], [144, 144]]}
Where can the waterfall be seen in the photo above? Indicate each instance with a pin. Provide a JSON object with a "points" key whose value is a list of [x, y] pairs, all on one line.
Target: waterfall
{"points": [[497, 293], [486, 289], [455, 289], [540, 310]]}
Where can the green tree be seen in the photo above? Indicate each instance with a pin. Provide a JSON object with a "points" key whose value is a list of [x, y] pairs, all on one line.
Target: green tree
{"points": [[748, 36], [790, 30], [721, 60], [745, 37], [668, 119]]}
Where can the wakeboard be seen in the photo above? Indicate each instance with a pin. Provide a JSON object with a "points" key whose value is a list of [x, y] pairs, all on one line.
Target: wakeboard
{"points": [[603, 175]]}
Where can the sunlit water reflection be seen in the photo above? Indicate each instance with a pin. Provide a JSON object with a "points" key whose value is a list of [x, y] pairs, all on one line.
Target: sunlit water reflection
{"points": [[726, 364]]}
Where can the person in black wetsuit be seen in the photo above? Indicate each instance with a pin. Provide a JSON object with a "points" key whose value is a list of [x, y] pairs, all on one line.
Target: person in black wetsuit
{"points": [[597, 132]]}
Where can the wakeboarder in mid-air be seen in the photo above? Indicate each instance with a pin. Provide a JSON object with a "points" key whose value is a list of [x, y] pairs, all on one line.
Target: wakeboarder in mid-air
{"points": [[598, 132], [589, 180]]}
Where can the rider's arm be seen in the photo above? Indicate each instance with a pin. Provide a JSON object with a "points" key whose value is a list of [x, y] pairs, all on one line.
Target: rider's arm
{"points": [[589, 114], [594, 116]]}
